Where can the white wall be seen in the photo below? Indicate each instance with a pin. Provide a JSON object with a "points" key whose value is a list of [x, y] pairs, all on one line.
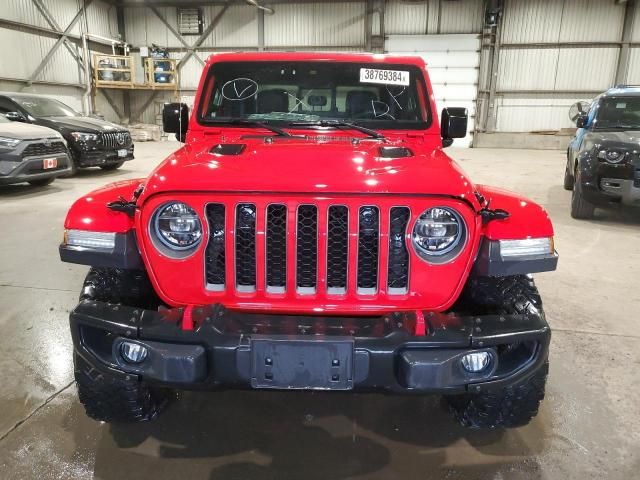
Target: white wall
{"points": [[23, 51], [536, 85]]}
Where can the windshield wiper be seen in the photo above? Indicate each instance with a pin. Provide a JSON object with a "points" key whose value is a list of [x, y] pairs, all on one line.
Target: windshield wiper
{"points": [[340, 125], [251, 123]]}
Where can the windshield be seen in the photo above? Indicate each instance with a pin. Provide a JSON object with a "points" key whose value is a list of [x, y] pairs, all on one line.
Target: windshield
{"points": [[376, 96], [44, 107], [618, 112]]}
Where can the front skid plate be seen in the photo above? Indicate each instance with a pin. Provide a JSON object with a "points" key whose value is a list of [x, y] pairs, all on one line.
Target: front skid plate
{"points": [[320, 364]]}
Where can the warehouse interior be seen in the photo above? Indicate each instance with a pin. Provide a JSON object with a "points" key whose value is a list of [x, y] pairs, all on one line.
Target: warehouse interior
{"points": [[518, 67]]}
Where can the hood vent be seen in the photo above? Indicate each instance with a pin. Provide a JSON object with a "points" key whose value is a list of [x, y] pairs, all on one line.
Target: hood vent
{"points": [[395, 152], [228, 149]]}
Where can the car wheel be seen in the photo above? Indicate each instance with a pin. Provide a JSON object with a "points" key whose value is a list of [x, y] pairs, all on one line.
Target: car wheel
{"points": [[113, 166], [514, 405], [43, 182], [568, 177], [111, 397], [581, 209]]}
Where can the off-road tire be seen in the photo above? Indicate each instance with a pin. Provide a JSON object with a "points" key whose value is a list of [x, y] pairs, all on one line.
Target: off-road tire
{"points": [[517, 404], [509, 407], [112, 397], [43, 182], [108, 398], [581, 209], [112, 166], [568, 177]]}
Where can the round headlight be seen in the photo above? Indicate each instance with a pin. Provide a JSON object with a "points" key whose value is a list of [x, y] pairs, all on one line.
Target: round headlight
{"points": [[177, 226], [438, 231], [611, 156]]}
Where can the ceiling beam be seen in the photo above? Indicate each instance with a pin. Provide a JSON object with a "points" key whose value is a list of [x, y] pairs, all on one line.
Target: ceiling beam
{"points": [[63, 36]]}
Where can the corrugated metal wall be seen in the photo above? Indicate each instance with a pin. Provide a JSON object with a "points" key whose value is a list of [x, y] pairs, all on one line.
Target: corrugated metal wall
{"points": [[554, 53], [433, 17], [22, 51]]}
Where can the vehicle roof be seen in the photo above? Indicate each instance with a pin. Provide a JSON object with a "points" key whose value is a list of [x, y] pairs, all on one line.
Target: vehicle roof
{"points": [[623, 91], [24, 95], [316, 56]]}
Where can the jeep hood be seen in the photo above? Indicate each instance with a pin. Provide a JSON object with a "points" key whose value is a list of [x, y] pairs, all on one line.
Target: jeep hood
{"points": [[309, 166]]}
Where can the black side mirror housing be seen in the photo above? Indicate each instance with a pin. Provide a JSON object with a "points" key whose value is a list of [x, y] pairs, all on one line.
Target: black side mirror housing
{"points": [[175, 119], [581, 121], [15, 117], [453, 124]]}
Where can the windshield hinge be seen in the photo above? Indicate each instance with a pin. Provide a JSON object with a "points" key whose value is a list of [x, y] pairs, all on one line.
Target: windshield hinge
{"points": [[489, 215], [122, 205]]}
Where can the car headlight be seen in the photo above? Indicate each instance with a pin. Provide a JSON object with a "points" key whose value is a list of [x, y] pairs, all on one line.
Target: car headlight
{"points": [[6, 142], [438, 231], [84, 137], [611, 156], [177, 226]]}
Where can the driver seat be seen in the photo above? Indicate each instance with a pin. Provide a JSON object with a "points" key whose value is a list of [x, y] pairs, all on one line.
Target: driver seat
{"points": [[358, 102]]}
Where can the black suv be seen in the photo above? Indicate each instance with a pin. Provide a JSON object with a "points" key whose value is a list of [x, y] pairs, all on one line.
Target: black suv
{"points": [[92, 142], [603, 159]]}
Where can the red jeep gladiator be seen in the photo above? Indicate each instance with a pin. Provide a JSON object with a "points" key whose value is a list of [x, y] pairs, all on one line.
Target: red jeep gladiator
{"points": [[311, 234]]}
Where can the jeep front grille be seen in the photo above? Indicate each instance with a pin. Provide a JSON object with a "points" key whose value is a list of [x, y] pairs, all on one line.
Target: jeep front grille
{"points": [[314, 244]]}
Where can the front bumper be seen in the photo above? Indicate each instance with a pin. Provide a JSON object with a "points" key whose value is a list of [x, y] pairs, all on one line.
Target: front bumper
{"points": [[604, 184], [98, 158], [218, 347], [31, 168]]}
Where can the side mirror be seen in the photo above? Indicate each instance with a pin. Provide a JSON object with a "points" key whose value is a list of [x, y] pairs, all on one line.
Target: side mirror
{"points": [[453, 124], [15, 117], [581, 121], [175, 119]]}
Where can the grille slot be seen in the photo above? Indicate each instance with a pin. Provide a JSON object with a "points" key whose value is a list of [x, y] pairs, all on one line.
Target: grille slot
{"points": [[398, 262], [245, 246], [36, 149], [636, 178], [276, 261], [215, 253], [307, 249], [337, 249], [116, 140], [368, 249], [274, 248]]}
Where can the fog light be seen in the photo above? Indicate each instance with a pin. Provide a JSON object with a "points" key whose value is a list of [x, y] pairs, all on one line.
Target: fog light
{"points": [[476, 362], [133, 352]]}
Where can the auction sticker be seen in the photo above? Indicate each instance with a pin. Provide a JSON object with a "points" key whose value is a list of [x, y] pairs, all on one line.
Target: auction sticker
{"points": [[386, 77]]}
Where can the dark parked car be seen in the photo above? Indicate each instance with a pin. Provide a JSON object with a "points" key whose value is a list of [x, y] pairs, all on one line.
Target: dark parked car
{"points": [[603, 159], [30, 153], [93, 142]]}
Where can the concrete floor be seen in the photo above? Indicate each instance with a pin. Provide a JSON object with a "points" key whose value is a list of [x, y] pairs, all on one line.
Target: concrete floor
{"points": [[588, 426]]}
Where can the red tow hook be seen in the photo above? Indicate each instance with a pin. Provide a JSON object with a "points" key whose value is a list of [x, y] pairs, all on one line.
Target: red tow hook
{"points": [[187, 318], [421, 329]]}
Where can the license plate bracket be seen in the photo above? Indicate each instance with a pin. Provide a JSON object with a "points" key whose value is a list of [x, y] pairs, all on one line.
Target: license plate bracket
{"points": [[302, 364], [49, 163]]}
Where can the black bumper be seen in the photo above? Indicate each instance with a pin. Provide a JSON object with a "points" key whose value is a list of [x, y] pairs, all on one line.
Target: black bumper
{"points": [[248, 350], [604, 185], [98, 158]]}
